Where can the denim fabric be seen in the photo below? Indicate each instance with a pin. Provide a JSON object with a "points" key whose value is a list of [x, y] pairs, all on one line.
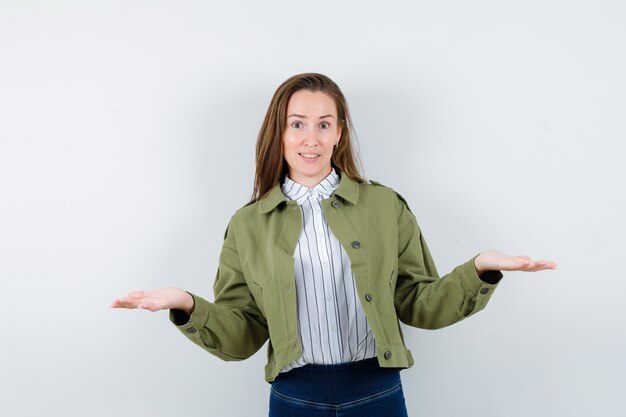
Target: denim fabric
{"points": [[360, 388]]}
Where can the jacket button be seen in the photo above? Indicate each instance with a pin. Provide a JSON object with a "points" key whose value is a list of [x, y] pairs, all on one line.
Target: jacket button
{"points": [[484, 290], [368, 297], [335, 203], [191, 330], [387, 355], [356, 244]]}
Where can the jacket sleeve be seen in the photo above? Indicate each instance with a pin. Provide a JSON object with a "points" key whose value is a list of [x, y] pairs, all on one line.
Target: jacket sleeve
{"points": [[422, 298], [232, 327]]}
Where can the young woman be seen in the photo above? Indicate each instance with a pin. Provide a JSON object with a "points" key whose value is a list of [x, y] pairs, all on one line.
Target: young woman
{"points": [[324, 264]]}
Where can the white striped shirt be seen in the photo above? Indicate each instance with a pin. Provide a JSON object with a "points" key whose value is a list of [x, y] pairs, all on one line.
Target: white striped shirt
{"points": [[331, 323]]}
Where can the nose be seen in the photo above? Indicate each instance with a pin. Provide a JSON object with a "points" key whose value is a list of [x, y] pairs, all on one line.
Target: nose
{"points": [[310, 137]]}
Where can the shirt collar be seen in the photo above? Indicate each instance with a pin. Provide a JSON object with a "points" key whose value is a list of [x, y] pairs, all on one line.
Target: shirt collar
{"points": [[300, 193], [347, 189]]}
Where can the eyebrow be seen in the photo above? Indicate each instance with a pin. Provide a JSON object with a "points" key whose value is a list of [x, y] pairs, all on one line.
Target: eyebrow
{"points": [[304, 117]]}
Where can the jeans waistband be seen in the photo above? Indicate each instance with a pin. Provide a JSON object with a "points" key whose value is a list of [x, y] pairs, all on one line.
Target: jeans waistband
{"points": [[336, 383]]}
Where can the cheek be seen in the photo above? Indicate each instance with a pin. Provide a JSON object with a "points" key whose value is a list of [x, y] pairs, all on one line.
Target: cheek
{"points": [[287, 146], [289, 150], [331, 134], [290, 141]]}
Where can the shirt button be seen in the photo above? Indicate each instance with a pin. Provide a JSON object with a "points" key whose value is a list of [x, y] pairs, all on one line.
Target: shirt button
{"points": [[484, 290], [333, 328], [368, 297], [388, 355], [329, 298], [191, 330], [325, 263], [356, 244], [335, 204]]}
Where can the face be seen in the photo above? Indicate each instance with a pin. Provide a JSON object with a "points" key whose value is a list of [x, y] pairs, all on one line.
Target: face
{"points": [[312, 130]]}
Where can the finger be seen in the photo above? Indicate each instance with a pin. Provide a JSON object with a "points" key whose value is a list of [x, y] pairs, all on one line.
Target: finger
{"points": [[546, 264], [151, 306], [126, 302], [541, 268], [136, 294], [521, 262], [118, 302]]}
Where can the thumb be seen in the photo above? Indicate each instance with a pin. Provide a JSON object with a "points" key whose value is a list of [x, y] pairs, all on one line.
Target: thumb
{"points": [[137, 294]]}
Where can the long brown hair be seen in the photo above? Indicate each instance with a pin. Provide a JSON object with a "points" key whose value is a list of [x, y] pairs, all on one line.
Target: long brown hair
{"points": [[271, 166]]}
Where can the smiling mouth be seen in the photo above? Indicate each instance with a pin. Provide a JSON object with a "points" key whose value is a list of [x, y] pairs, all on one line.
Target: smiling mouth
{"points": [[309, 156]]}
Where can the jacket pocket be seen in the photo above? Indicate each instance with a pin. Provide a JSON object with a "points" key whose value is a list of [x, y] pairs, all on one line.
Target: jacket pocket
{"points": [[392, 281], [257, 293]]}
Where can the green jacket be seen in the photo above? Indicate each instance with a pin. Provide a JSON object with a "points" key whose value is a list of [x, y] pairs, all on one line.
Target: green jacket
{"points": [[394, 273]]}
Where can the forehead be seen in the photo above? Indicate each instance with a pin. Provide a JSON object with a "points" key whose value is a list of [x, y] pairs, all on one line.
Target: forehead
{"points": [[311, 103]]}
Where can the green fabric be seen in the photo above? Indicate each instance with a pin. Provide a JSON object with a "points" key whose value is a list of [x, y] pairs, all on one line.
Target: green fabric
{"points": [[394, 272]]}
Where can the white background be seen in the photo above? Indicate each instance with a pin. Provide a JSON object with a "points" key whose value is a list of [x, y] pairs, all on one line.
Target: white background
{"points": [[127, 134]]}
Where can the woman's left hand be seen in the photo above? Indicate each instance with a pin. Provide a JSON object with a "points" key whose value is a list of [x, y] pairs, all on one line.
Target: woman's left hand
{"points": [[493, 260]]}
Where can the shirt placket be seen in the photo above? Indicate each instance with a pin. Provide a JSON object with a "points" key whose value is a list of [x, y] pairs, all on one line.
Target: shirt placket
{"points": [[327, 287]]}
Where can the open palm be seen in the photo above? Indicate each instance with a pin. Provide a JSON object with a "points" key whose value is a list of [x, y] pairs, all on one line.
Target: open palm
{"points": [[495, 260], [161, 299]]}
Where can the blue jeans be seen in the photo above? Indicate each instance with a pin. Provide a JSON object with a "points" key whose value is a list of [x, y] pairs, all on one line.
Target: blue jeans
{"points": [[360, 388]]}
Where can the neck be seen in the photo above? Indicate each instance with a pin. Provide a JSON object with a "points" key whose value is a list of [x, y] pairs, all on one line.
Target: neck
{"points": [[310, 181]]}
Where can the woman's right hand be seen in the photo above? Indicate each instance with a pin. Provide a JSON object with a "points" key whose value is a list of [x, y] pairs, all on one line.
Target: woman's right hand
{"points": [[165, 298]]}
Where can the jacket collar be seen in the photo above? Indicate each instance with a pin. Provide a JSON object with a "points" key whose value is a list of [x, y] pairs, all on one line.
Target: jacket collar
{"points": [[348, 189]]}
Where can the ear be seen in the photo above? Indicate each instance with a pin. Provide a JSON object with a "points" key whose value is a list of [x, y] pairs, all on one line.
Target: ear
{"points": [[339, 130]]}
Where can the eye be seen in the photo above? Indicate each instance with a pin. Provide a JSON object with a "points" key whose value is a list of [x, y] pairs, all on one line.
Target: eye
{"points": [[325, 123], [296, 123]]}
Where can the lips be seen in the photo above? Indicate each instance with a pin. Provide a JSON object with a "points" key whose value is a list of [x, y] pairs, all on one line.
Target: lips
{"points": [[309, 157]]}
